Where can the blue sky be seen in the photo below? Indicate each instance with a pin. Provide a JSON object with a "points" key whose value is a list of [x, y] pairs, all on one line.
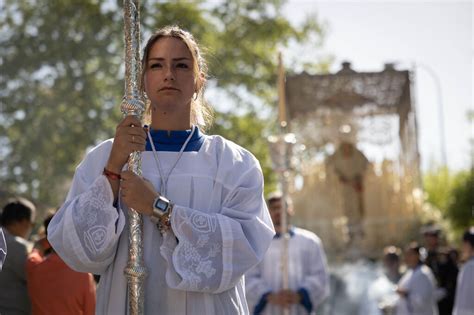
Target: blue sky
{"points": [[435, 38]]}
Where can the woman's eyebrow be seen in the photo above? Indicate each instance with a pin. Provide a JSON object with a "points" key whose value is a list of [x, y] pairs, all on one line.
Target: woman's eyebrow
{"points": [[174, 59]]}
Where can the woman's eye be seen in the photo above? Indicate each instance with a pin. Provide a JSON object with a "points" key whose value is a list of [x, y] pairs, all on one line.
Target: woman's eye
{"points": [[155, 65], [182, 65]]}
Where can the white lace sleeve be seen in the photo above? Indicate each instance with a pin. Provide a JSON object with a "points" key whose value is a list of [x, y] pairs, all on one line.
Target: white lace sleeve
{"points": [[214, 251], [86, 229]]}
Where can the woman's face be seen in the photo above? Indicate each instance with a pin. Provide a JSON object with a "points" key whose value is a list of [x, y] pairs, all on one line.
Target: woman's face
{"points": [[169, 76]]}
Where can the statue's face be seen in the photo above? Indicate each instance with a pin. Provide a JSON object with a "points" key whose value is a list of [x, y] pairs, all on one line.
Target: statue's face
{"points": [[346, 148]]}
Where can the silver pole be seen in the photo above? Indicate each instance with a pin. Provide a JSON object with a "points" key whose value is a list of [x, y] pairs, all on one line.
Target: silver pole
{"points": [[133, 104], [281, 148]]}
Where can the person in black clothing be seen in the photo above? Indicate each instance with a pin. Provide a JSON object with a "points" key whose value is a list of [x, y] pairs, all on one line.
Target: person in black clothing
{"points": [[443, 267]]}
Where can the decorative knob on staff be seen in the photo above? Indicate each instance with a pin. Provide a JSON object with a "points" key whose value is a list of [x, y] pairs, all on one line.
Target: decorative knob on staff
{"points": [[133, 104], [281, 147]]}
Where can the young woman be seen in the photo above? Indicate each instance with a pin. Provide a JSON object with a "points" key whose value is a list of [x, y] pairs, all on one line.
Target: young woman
{"points": [[201, 197]]}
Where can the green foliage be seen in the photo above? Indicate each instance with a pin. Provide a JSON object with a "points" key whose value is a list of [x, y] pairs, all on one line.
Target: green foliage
{"points": [[59, 86], [460, 208], [453, 194], [61, 77], [438, 184]]}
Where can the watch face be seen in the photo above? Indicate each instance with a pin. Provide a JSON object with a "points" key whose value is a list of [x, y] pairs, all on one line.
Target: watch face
{"points": [[161, 205]]}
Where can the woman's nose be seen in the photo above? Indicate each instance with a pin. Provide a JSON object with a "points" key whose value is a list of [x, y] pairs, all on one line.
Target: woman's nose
{"points": [[169, 75]]}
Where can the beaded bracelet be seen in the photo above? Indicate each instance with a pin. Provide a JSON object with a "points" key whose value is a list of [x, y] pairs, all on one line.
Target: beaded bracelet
{"points": [[111, 175]]}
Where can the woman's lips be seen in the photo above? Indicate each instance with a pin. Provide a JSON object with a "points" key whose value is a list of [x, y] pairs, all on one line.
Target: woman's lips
{"points": [[168, 88]]}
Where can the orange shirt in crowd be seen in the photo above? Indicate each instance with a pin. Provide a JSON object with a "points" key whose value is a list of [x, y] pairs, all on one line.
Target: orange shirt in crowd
{"points": [[54, 288]]}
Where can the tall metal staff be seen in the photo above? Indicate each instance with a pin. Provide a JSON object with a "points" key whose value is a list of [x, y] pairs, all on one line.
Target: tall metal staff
{"points": [[133, 104], [281, 147]]}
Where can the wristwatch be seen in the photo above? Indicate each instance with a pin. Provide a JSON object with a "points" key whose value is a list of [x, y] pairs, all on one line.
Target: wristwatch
{"points": [[161, 207]]}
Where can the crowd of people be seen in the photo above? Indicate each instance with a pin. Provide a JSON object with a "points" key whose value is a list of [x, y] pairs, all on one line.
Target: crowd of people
{"points": [[435, 280], [33, 278], [425, 279], [212, 242]]}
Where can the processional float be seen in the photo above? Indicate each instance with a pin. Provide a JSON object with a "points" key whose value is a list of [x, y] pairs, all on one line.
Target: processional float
{"points": [[375, 112], [133, 104]]}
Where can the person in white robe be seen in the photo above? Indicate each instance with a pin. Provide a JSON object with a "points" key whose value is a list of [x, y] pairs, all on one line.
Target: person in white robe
{"points": [[307, 270], [417, 286], [381, 297], [205, 221], [464, 299]]}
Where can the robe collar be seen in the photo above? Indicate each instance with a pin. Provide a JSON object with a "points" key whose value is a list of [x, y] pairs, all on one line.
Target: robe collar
{"points": [[291, 231], [172, 141]]}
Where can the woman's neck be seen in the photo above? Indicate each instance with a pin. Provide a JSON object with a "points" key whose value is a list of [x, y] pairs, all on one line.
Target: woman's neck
{"points": [[167, 123], [170, 127], [171, 120]]}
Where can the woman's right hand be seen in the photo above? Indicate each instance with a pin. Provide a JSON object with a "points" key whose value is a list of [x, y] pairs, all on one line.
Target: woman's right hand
{"points": [[130, 136]]}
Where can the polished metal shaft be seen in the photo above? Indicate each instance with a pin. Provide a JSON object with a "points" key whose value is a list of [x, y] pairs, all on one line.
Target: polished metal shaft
{"points": [[133, 104]]}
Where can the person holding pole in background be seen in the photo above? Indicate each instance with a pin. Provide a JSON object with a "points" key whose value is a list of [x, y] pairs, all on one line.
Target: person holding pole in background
{"points": [[308, 280], [205, 221], [292, 279]]}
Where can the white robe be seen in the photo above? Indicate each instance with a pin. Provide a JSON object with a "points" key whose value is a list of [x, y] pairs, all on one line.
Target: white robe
{"points": [[307, 269], [464, 301], [220, 220], [421, 286]]}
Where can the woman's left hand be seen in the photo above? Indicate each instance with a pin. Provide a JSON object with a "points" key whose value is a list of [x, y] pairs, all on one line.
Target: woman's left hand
{"points": [[137, 192]]}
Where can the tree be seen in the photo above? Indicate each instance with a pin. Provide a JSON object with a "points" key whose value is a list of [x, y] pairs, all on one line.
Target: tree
{"points": [[438, 184], [59, 64], [460, 209], [61, 77], [453, 194]]}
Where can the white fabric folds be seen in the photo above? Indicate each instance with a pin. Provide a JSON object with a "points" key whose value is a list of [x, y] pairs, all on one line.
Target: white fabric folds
{"points": [[221, 228]]}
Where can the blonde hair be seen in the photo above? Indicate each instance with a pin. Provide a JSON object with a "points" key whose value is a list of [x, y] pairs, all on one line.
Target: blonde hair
{"points": [[201, 112]]}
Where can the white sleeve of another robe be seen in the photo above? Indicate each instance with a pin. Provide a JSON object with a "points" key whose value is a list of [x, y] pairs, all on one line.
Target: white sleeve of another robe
{"points": [[464, 301]]}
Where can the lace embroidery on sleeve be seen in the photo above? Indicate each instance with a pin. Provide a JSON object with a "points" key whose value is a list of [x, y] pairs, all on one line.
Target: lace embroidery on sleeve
{"points": [[196, 256], [93, 217]]}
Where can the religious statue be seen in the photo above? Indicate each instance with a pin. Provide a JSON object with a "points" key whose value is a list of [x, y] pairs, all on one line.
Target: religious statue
{"points": [[350, 164]]}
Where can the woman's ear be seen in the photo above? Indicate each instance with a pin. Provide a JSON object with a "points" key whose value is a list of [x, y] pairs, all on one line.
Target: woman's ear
{"points": [[200, 82]]}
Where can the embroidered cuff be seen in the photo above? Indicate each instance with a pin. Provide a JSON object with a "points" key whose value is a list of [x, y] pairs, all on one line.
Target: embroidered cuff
{"points": [[261, 304], [305, 300]]}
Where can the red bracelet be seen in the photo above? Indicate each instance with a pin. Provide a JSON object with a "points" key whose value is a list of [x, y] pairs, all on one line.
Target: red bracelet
{"points": [[111, 175]]}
